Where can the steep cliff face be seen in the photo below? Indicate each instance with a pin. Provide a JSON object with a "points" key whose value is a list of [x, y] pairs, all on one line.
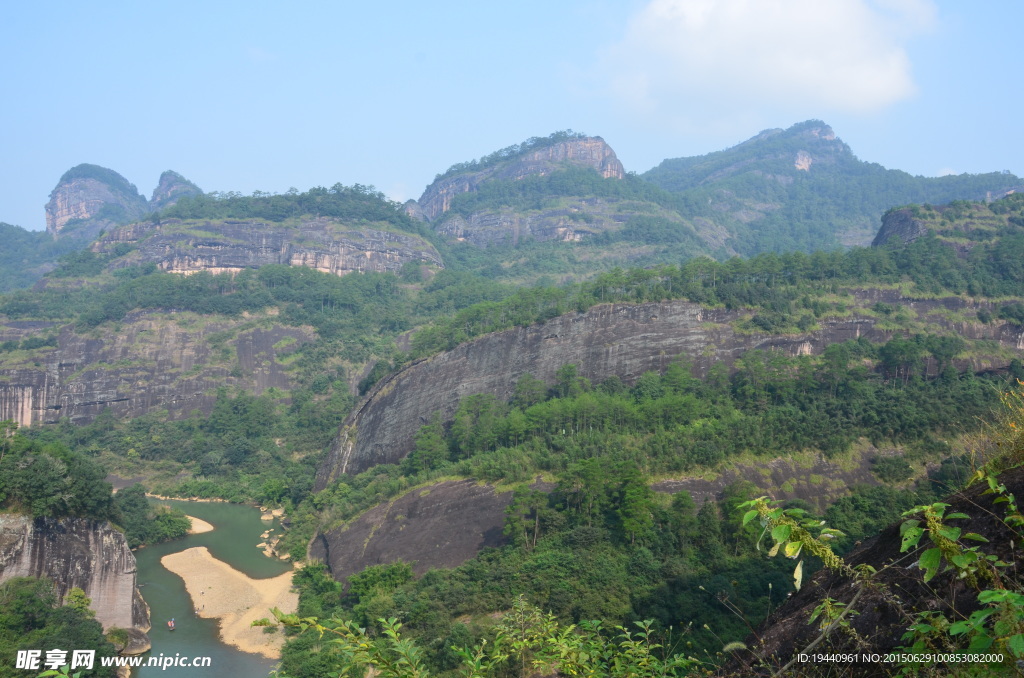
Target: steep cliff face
{"points": [[899, 227], [587, 152], [171, 188], [89, 198], [157, 361], [620, 340], [231, 245], [76, 552], [442, 525]]}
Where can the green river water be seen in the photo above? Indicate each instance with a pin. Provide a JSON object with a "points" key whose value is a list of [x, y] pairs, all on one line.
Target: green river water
{"points": [[237, 530]]}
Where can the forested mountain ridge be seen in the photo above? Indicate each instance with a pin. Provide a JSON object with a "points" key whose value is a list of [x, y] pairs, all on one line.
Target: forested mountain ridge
{"points": [[961, 224], [511, 216], [803, 188]]}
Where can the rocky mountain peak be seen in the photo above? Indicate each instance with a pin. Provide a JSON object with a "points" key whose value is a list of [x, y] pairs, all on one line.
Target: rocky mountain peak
{"points": [[171, 188], [534, 157], [90, 198]]}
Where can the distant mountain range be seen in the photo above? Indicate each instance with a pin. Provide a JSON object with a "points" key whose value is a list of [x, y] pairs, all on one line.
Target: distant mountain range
{"points": [[563, 206]]}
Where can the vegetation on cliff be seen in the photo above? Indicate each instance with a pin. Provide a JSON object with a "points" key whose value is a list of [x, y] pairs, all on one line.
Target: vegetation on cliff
{"points": [[510, 152], [786, 207], [356, 203], [32, 618], [598, 544]]}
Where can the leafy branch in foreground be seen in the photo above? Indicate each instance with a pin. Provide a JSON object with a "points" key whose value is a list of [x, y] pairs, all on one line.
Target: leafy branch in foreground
{"points": [[526, 640]]}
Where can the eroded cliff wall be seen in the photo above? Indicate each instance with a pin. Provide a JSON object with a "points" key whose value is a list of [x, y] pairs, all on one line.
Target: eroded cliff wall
{"points": [[157, 360], [621, 340], [72, 552], [228, 245]]}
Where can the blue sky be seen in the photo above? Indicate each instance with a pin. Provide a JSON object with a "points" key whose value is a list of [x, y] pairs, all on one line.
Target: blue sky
{"points": [[245, 96]]}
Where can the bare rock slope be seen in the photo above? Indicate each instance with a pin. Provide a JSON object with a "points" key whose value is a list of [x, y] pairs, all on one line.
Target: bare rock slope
{"points": [[76, 552]]}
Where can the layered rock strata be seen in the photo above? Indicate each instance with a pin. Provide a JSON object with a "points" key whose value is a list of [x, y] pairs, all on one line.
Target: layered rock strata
{"points": [[156, 361], [88, 199], [234, 245]]}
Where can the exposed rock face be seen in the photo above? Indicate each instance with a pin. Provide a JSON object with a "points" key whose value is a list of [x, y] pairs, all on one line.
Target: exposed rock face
{"points": [[231, 246], [171, 188], [77, 552], [443, 525], [621, 340], [157, 360], [88, 199], [899, 227], [587, 152]]}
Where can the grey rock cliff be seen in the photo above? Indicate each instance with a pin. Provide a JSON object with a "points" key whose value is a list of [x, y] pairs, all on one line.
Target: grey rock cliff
{"points": [[72, 552], [158, 360], [621, 340], [88, 199], [587, 152], [171, 188], [899, 227], [442, 525], [324, 244]]}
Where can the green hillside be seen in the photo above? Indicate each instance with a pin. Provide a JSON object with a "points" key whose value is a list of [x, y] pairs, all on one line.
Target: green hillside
{"points": [[804, 189]]}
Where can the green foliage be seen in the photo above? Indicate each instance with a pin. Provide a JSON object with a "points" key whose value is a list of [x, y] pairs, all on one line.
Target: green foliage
{"points": [[26, 255], [525, 641], [509, 152], [145, 524], [356, 203], [808, 209], [31, 618], [49, 480], [891, 469], [109, 177]]}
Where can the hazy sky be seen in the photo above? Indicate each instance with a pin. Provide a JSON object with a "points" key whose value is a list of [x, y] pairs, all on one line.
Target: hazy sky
{"points": [[244, 96]]}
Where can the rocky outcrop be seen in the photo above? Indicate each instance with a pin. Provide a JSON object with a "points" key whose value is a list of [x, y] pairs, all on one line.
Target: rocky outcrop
{"points": [[158, 360], [88, 199], [442, 525], [171, 188], [324, 244], [585, 152], [76, 552], [899, 227], [621, 340]]}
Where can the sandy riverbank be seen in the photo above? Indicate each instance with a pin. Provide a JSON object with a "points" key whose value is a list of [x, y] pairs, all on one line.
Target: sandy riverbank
{"points": [[220, 591], [199, 526]]}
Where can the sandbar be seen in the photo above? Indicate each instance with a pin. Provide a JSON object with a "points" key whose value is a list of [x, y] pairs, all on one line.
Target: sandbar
{"points": [[222, 592], [199, 525]]}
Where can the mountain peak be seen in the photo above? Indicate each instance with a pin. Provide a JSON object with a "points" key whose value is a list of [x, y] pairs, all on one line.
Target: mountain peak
{"points": [[88, 198], [535, 156], [171, 188]]}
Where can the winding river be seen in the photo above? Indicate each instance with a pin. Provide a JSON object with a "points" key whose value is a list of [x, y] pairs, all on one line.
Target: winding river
{"points": [[237, 530]]}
